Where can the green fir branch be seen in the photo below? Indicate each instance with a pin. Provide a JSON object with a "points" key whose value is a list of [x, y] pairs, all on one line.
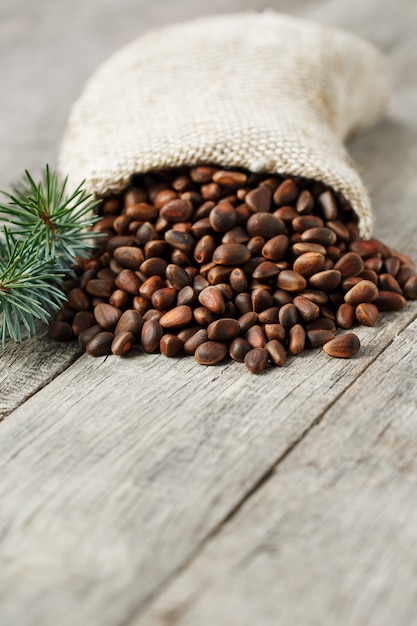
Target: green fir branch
{"points": [[57, 222], [47, 230], [29, 287]]}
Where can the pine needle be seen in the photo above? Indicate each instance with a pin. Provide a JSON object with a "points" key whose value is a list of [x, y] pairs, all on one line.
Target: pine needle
{"points": [[47, 230]]}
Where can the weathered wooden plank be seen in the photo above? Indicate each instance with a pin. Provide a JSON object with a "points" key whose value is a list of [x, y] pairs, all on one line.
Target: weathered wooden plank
{"points": [[28, 366], [329, 538], [120, 468]]}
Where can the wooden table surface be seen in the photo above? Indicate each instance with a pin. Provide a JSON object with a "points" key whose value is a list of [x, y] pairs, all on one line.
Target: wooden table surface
{"points": [[145, 492]]}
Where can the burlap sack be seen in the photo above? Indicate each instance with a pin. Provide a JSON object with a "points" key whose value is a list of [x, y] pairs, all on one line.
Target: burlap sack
{"points": [[263, 91]]}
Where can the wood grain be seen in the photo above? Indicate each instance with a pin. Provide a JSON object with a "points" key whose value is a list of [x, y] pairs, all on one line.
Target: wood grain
{"points": [[29, 366], [328, 540], [120, 468], [119, 472]]}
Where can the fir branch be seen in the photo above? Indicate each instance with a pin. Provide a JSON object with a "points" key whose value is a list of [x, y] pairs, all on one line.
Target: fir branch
{"points": [[29, 287], [47, 230], [57, 222]]}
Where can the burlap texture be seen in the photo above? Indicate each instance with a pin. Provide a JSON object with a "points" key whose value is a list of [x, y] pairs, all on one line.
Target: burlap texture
{"points": [[263, 91]]}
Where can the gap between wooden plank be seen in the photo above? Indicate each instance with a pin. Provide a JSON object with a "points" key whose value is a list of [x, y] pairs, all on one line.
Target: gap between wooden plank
{"points": [[174, 458], [351, 464], [28, 367], [261, 482]]}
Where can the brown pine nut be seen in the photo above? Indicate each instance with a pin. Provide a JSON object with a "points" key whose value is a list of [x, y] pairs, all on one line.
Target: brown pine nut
{"points": [[323, 236], [224, 329], [305, 201], [177, 210], [265, 270], [164, 298], [327, 280], [275, 331], [285, 213], [178, 316], [364, 291], [304, 222], [107, 316], [309, 263], [229, 179], [281, 297], [307, 309], [122, 343], [151, 334], [203, 316], [163, 197], [276, 352], [129, 257], [410, 287], [264, 225], [156, 248], [239, 348], [260, 299], [133, 196], [243, 303], [82, 321], [345, 316], [297, 339], [170, 345], [276, 248], [219, 274], [392, 265], [322, 323], [177, 276], [231, 254], [350, 264], [389, 301], [387, 282], [303, 246], [269, 316], [99, 288], [256, 360], [256, 337], [210, 352], [131, 321], [151, 284], [367, 248], [259, 199], [286, 193], [344, 346], [192, 343], [367, 314], [291, 281], [212, 298], [86, 335], [78, 300], [142, 212], [100, 344], [288, 315], [328, 205], [186, 295], [247, 320], [128, 281]]}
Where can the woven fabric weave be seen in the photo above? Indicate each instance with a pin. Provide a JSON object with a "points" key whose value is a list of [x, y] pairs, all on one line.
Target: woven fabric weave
{"points": [[263, 91]]}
